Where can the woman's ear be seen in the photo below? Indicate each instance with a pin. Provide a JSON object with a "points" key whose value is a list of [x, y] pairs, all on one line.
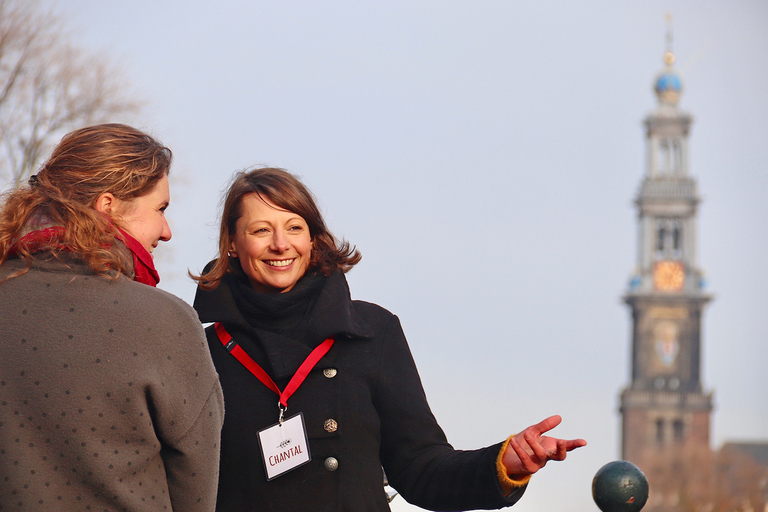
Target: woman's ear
{"points": [[105, 203], [232, 250]]}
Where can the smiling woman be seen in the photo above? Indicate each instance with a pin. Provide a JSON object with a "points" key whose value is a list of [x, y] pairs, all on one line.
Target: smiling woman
{"points": [[143, 217], [111, 375], [350, 402], [272, 244], [101, 184]]}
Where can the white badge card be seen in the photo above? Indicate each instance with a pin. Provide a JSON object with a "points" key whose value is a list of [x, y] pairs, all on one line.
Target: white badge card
{"points": [[284, 446]]}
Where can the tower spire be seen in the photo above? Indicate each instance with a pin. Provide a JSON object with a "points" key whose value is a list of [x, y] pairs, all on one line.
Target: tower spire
{"points": [[669, 54], [665, 410], [668, 85]]}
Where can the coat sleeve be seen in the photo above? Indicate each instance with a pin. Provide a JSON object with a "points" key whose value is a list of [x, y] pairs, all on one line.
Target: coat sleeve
{"points": [[192, 462], [418, 460], [187, 408]]}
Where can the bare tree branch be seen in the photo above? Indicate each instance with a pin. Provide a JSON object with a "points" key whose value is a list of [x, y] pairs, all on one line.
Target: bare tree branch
{"points": [[47, 88]]}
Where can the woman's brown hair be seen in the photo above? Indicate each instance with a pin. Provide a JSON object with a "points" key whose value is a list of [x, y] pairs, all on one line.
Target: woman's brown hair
{"points": [[88, 162], [287, 192]]}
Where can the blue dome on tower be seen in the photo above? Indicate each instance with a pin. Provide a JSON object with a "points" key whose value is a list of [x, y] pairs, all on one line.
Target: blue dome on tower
{"points": [[668, 85], [669, 82]]}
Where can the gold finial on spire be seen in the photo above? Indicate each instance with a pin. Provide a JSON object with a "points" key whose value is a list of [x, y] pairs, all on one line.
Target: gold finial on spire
{"points": [[668, 85], [669, 57]]}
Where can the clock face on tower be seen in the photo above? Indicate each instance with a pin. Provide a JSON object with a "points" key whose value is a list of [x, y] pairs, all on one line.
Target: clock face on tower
{"points": [[668, 275]]}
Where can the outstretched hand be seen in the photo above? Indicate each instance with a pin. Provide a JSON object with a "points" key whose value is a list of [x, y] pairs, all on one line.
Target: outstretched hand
{"points": [[529, 451]]}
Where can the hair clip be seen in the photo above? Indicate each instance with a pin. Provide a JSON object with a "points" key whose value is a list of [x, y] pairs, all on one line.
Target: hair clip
{"points": [[33, 181]]}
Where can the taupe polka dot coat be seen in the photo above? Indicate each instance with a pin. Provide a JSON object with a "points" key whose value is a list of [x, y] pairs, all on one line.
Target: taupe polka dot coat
{"points": [[108, 397]]}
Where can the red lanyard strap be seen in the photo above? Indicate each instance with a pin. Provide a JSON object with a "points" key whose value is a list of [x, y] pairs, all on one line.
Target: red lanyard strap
{"points": [[252, 366]]}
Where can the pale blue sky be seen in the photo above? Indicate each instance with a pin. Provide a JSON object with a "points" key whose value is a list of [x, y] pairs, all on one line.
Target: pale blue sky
{"points": [[483, 156]]}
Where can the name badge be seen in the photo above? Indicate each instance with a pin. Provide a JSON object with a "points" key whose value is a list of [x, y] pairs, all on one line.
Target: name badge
{"points": [[284, 446]]}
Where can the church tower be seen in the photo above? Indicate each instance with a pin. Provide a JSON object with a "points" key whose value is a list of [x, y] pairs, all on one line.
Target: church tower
{"points": [[664, 409]]}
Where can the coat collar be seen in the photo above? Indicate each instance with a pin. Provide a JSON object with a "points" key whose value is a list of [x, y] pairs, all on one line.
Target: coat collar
{"points": [[333, 316], [42, 233]]}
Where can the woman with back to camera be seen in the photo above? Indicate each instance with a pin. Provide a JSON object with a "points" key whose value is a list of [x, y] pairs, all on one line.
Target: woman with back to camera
{"points": [[109, 400], [350, 397]]}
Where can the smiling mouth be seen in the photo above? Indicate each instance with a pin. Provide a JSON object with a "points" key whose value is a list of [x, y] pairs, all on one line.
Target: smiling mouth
{"points": [[279, 263]]}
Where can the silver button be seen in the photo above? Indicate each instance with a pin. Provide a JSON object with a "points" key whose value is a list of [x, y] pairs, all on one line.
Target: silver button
{"points": [[330, 372], [330, 425], [331, 464]]}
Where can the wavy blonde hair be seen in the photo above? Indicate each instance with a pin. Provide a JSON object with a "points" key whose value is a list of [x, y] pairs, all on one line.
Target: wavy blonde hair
{"points": [[88, 162]]}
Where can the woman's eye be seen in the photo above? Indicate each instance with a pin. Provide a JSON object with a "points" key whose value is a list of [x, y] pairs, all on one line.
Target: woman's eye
{"points": [[295, 228]]}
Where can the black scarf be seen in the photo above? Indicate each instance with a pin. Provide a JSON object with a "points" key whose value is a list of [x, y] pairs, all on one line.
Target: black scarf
{"points": [[281, 313]]}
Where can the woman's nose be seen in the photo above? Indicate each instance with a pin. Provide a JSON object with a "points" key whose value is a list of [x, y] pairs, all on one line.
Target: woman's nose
{"points": [[166, 234], [279, 242]]}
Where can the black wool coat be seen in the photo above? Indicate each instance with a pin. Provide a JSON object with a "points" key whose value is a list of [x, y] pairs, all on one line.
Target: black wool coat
{"points": [[369, 387]]}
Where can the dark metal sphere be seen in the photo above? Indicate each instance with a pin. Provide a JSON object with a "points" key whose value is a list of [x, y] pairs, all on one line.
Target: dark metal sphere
{"points": [[620, 486]]}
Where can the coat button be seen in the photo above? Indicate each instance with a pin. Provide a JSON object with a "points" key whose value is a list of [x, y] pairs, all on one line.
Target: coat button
{"points": [[331, 464], [330, 425], [330, 372]]}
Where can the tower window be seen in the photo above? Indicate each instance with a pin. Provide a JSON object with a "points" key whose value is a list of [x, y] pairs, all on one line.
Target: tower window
{"points": [[676, 235], [660, 431], [660, 235], [678, 430], [663, 155], [669, 239], [670, 156], [674, 157]]}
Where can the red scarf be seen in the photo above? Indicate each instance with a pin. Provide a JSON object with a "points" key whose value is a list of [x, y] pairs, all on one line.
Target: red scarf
{"points": [[143, 264], [51, 237]]}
